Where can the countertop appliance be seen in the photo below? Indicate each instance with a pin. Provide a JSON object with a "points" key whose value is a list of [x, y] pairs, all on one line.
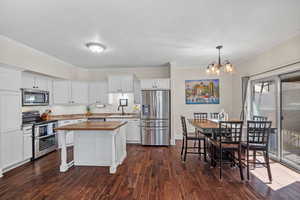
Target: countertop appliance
{"points": [[155, 117], [34, 97], [44, 138]]}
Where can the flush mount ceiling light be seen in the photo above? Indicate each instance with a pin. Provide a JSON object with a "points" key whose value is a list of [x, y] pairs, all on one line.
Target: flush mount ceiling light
{"points": [[215, 68], [95, 47]]}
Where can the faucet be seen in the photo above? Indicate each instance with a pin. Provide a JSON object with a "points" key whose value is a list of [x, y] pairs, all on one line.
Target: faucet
{"points": [[123, 113]]}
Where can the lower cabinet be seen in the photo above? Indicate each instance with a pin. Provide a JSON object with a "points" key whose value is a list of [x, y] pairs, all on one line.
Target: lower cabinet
{"points": [[70, 135], [27, 146], [133, 133], [11, 148]]}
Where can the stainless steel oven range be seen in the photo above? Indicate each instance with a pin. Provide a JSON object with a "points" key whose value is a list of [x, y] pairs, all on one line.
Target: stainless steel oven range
{"points": [[44, 138]]}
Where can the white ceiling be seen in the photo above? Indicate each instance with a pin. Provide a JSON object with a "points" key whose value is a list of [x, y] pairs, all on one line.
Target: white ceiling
{"points": [[141, 33]]}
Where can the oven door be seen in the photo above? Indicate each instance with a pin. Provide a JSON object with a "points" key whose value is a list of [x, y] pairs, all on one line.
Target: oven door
{"points": [[35, 97], [44, 145]]}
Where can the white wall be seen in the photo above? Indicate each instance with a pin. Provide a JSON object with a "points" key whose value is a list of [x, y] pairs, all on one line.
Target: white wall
{"points": [[15, 54], [140, 72], [282, 54], [178, 77]]}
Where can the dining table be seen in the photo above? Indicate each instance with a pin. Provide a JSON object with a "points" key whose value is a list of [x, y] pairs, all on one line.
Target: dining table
{"points": [[208, 128]]}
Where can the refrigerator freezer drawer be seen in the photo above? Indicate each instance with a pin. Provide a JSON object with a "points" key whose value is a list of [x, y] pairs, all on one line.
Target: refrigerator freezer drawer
{"points": [[155, 136], [155, 123]]}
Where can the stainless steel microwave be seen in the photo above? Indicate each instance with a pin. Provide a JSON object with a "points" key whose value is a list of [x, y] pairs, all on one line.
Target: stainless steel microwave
{"points": [[34, 97]]}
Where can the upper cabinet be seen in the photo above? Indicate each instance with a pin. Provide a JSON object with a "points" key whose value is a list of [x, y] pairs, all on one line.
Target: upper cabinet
{"points": [[120, 83], [10, 80], [10, 115], [98, 92], [137, 91], [79, 91], [35, 81], [61, 92], [70, 92], [153, 84], [10, 100]]}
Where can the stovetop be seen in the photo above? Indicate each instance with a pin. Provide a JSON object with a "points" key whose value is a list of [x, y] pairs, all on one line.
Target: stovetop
{"points": [[33, 118]]}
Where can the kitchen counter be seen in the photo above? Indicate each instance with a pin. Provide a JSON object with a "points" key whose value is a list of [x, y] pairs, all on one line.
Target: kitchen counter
{"points": [[96, 126], [95, 115]]}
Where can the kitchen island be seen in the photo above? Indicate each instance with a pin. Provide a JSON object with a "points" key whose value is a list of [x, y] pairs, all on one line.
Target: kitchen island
{"points": [[95, 144]]}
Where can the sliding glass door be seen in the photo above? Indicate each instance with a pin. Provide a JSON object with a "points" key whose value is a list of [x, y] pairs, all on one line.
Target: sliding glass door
{"points": [[278, 99], [290, 108], [264, 103]]}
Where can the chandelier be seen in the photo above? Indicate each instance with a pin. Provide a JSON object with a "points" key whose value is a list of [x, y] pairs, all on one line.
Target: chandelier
{"points": [[215, 68]]}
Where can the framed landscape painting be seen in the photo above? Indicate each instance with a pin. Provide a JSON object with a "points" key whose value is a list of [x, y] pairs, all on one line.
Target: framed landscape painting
{"points": [[205, 91]]}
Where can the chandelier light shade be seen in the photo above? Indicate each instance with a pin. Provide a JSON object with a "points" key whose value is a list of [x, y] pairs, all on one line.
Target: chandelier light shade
{"points": [[215, 68]]}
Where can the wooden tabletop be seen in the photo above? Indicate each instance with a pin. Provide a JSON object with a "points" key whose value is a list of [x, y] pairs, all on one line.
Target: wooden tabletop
{"points": [[94, 115], [204, 124], [207, 124], [92, 126]]}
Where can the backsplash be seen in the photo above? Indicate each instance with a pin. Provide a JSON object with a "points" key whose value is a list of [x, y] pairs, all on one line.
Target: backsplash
{"points": [[112, 106]]}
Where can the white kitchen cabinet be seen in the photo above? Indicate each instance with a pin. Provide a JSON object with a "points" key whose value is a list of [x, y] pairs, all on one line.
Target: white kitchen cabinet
{"points": [[147, 84], [61, 92], [98, 92], [10, 115], [70, 135], [27, 146], [79, 92], [137, 91], [114, 84], [34, 81], [120, 83], [10, 80], [127, 84], [11, 148], [70, 92], [133, 133], [41, 83]]}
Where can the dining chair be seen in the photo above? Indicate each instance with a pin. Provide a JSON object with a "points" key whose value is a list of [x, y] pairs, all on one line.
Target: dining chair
{"points": [[227, 141], [259, 118], [214, 115], [258, 140], [201, 116], [193, 136]]}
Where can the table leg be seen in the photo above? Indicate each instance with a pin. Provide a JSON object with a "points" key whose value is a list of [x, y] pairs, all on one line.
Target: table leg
{"points": [[63, 165]]}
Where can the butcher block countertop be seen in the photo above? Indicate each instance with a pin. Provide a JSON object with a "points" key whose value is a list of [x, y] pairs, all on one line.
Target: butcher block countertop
{"points": [[92, 126], [95, 115]]}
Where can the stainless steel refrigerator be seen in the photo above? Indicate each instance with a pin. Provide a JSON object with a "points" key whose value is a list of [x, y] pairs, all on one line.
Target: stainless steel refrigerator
{"points": [[155, 117]]}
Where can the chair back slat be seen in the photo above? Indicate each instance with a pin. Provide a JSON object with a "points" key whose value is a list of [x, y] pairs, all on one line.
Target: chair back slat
{"points": [[230, 131], [183, 123], [214, 115], [258, 132], [259, 118], [200, 116]]}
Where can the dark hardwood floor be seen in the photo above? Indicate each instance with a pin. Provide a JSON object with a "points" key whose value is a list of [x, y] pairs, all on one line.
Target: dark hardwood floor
{"points": [[147, 173]]}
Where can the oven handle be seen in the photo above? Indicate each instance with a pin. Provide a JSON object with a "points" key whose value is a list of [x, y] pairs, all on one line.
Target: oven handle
{"points": [[45, 136]]}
